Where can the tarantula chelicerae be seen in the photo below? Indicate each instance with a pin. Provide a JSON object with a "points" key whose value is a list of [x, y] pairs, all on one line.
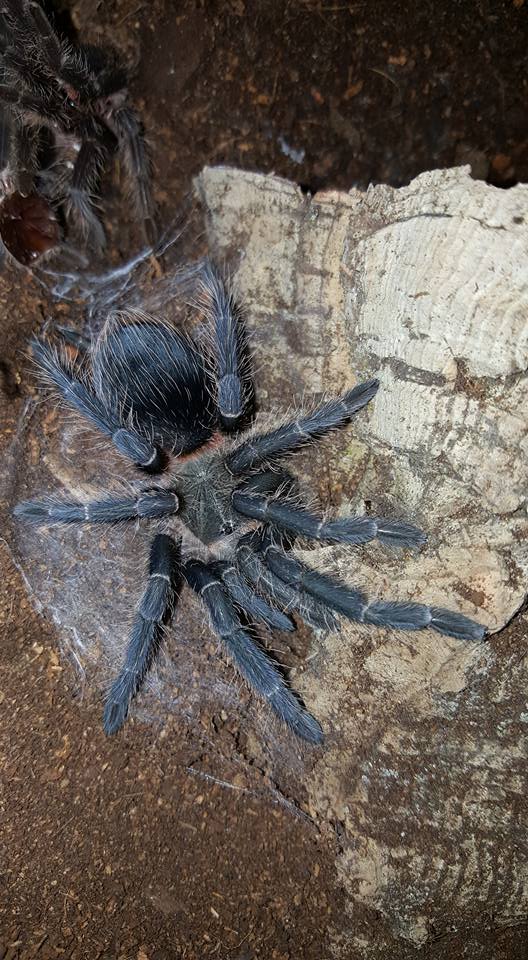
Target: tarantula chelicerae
{"points": [[229, 515], [65, 110]]}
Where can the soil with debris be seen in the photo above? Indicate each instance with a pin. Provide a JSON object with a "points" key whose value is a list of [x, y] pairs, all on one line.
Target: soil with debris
{"points": [[142, 847]]}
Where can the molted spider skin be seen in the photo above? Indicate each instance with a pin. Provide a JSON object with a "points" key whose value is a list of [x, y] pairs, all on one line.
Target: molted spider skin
{"points": [[28, 227], [69, 111], [230, 513]]}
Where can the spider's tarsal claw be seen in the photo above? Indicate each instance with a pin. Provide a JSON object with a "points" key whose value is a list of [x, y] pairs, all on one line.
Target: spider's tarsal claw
{"points": [[136, 448], [230, 397], [359, 396], [114, 716], [299, 720], [398, 534], [456, 625]]}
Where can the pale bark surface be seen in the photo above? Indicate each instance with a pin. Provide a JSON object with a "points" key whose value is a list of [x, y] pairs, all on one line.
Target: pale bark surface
{"points": [[424, 772]]}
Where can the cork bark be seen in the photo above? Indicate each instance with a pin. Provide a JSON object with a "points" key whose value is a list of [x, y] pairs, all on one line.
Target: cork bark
{"points": [[421, 783], [426, 287]]}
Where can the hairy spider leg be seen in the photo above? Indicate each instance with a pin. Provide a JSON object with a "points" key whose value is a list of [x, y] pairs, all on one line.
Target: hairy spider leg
{"points": [[28, 22], [49, 42], [145, 504], [28, 25], [131, 444], [18, 154], [250, 563], [85, 180], [154, 609], [267, 448], [351, 530], [234, 387], [25, 149], [352, 603], [250, 661], [249, 601], [125, 124], [40, 110]]}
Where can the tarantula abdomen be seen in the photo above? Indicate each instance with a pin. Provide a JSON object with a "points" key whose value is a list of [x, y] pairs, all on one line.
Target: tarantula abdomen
{"points": [[28, 227], [166, 388]]}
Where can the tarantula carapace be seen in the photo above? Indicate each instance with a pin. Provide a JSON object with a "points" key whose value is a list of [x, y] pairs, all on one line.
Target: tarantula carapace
{"points": [[65, 111], [227, 511]]}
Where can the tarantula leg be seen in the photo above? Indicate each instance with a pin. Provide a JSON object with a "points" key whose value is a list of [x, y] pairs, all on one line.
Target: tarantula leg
{"points": [[344, 600], [251, 563], [147, 504], [58, 370], [269, 447], [49, 41], [230, 351], [250, 661], [351, 530], [250, 602], [6, 139], [128, 130], [85, 180], [270, 481], [352, 603], [147, 630], [25, 147], [38, 109], [417, 616]]}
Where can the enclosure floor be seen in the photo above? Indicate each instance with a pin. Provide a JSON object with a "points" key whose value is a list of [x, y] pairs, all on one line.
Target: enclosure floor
{"points": [[122, 848]]}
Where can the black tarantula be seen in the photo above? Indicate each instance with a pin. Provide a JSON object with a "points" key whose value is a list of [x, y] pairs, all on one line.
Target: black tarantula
{"points": [[230, 514], [65, 110]]}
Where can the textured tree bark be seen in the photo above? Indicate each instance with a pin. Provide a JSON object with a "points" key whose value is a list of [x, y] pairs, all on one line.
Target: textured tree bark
{"points": [[426, 287]]}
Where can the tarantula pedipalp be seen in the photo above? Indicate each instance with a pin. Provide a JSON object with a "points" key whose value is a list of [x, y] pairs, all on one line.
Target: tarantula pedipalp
{"points": [[69, 110], [228, 515]]}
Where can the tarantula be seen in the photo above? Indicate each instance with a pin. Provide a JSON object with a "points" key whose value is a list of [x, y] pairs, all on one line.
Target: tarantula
{"points": [[229, 510], [65, 111]]}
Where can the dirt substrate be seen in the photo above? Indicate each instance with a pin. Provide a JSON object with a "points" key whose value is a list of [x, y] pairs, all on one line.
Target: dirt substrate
{"points": [[138, 847]]}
